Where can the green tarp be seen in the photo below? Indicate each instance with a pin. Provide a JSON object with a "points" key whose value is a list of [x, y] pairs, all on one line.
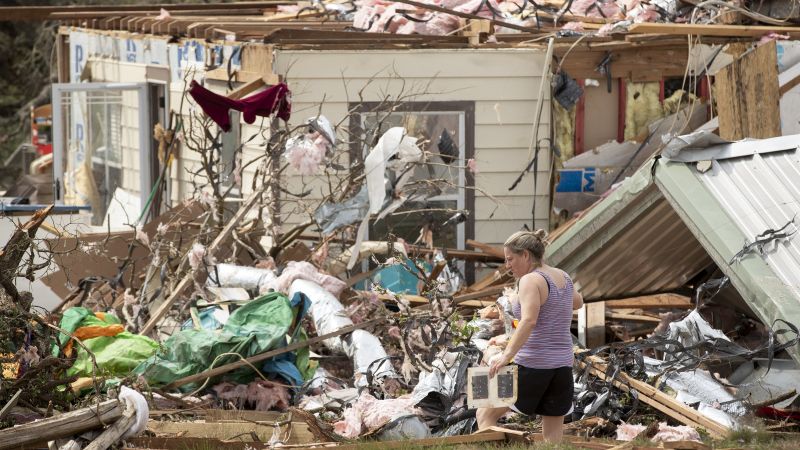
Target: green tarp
{"points": [[253, 328]]}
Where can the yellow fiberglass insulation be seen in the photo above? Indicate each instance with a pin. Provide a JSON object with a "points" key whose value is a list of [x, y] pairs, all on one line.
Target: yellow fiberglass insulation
{"points": [[641, 107], [564, 122]]}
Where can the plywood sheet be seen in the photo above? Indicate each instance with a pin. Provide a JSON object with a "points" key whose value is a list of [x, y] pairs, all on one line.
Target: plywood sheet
{"points": [[748, 96]]}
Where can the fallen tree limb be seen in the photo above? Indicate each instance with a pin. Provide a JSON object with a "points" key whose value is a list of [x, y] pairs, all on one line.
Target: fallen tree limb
{"points": [[64, 425], [15, 249], [266, 355]]}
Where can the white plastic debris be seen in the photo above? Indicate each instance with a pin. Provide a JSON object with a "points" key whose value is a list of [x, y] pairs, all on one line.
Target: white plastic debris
{"points": [[137, 400], [361, 346], [250, 278]]}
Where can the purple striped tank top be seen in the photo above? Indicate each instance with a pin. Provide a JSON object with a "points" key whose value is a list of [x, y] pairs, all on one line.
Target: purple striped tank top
{"points": [[550, 344]]}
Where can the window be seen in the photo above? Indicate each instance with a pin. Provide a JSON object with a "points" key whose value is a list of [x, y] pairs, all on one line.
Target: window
{"points": [[102, 143], [445, 130]]}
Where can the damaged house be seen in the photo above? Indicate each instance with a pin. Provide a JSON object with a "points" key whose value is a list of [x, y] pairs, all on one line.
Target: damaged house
{"points": [[281, 223]]}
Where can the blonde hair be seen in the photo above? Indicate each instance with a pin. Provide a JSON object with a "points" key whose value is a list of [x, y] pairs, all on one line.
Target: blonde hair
{"points": [[530, 241]]}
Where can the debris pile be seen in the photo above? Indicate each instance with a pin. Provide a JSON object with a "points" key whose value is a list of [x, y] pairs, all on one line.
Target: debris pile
{"points": [[266, 311]]}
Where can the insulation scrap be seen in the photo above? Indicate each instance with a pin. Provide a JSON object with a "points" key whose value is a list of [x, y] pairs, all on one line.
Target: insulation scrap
{"points": [[629, 431], [370, 413], [302, 270], [261, 395], [667, 433]]}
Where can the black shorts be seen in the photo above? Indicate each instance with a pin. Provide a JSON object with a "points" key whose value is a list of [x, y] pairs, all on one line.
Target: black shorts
{"points": [[546, 392]]}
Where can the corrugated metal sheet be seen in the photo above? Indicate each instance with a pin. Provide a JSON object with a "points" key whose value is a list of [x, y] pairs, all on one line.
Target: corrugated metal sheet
{"points": [[656, 253], [762, 192], [632, 243]]}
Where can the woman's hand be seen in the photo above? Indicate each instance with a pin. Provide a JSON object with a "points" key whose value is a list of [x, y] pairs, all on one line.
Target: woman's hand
{"points": [[497, 363]]}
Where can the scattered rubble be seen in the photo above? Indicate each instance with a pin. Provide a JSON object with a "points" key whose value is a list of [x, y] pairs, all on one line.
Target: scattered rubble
{"points": [[216, 322]]}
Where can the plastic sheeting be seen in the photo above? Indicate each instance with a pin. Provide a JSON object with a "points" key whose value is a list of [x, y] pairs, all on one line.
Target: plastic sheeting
{"points": [[361, 346], [394, 142], [332, 216], [254, 328], [250, 278], [116, 354]]}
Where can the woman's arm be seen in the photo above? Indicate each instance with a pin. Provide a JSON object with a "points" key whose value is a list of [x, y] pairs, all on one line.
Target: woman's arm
{"points": [[577, 299], [530, 294]]}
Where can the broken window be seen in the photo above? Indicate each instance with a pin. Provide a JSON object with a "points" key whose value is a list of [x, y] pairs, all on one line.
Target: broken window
{"points": [[435, 191], [102, 142]]}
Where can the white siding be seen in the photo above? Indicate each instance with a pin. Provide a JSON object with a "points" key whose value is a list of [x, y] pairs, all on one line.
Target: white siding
{"points": [[503, 83]]}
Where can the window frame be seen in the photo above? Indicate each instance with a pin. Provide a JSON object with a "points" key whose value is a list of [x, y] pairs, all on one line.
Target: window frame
{"points": [[60, 132], [467, 108]]}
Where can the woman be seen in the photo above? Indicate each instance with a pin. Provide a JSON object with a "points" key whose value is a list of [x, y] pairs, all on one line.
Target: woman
{"points": [[542, 343]]}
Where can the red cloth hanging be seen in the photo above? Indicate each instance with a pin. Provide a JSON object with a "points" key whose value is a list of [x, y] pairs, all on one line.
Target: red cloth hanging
{"points": [[275, 99]]}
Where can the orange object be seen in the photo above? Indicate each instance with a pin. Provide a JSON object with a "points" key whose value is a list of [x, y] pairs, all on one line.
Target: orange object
{"points": [[514, 323], [93, 331]]}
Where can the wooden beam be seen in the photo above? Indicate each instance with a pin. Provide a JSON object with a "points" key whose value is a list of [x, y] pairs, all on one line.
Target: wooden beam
{"points": [[595, 324], [67, 424], [490, 292], [748, 96], [486, 248], [30, 13], [712, 30], [658, 400], [266, 355], [652, 302], [631, 317], [230, 430], [466, 255], [489, 436], [500, 276], [440, 9]]}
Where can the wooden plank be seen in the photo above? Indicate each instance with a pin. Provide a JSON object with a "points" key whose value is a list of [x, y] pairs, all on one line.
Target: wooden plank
{"points": [[490, 292], [486, 248], [67, 424], [659, 400], [500, 276], [413, 299], [466, 255], [185, 443], [229, 430], [652, 302], [789, 78], [712, 30], [748, 96], [490, 436], [631, 317], [26, 13], [266, 355], [595, 324]]}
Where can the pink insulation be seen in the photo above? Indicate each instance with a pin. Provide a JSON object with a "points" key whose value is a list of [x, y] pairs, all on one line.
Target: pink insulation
{"points": [[629, 431], [261, 395], [370, 413], [668, 433], [573, 26], [383, 16], [302, 270], [305, 154], [592, 8]]}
